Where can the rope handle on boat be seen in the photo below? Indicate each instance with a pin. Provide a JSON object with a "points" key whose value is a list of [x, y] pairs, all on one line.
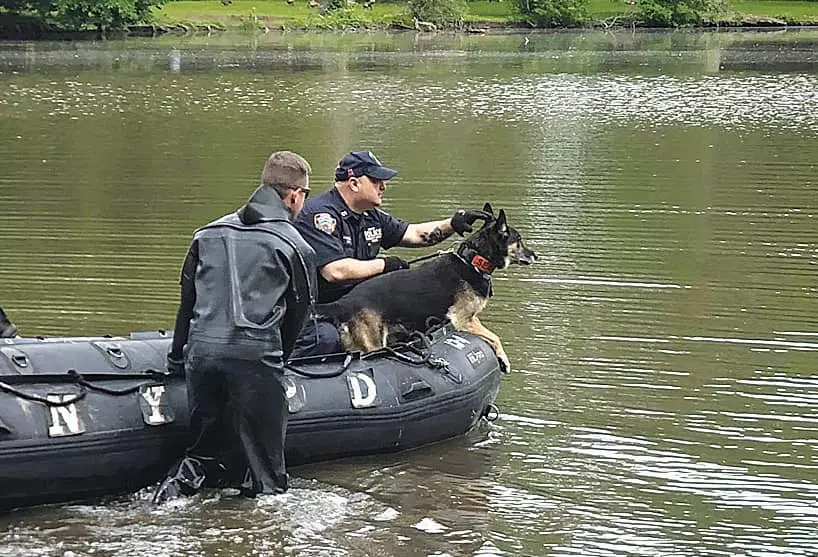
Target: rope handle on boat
{"points": [[395, 352], [83, 382], [84, 385], [424, 353], [5, 387], [350, 357]]}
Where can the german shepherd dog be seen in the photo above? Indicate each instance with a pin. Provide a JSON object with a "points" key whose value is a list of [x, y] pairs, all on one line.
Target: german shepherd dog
{"points": [[456, 286]]}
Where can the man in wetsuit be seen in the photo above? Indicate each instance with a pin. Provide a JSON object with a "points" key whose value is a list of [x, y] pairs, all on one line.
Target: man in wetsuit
{"points": [[347, 229], [247, 283]]}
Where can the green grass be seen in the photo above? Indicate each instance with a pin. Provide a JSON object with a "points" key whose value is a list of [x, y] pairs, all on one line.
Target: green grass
{"points": [[495, 12], [798, 11], [253, 13], [276, 12]]}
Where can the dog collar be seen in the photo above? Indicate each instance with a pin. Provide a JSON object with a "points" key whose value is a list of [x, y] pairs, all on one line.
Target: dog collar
{"points": [[482, 264], [480, 280], [475, 260]]}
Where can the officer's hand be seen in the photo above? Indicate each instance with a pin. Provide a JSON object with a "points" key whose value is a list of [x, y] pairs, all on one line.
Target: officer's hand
{"points": [[462, 220], [176, 366], [392, 263]]}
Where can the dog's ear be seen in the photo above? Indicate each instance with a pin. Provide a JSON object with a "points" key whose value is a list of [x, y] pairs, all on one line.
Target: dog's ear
{"points": [[487, 209], [500, 223]]}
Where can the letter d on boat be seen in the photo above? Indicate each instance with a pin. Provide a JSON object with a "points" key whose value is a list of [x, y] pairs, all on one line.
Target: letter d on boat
{"points": [[362, 390]]}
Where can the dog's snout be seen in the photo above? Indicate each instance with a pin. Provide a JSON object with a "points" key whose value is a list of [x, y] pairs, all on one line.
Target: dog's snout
{"points": [[525, 255]]}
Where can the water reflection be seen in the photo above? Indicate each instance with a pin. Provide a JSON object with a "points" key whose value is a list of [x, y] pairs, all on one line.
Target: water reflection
{"points": [[663, 399]]}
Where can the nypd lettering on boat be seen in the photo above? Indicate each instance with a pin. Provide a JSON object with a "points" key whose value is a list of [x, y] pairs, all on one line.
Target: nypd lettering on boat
{"points": [[363, 392], [155, 410], [456, 342], [475, 357], [64, 420], [295, 393]]}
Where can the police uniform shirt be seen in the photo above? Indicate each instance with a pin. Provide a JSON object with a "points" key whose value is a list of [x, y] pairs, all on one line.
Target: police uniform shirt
{"points": [[336, 232]]}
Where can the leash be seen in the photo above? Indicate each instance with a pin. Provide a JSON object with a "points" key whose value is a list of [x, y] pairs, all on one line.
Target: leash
{"points": [[438, 253]]}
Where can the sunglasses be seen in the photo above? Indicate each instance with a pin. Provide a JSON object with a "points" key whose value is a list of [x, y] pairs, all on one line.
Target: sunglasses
{"points": [[306, 190]]}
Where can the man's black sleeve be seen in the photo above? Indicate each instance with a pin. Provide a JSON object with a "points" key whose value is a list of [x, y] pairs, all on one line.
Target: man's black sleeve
{"points": [[188, 299]]}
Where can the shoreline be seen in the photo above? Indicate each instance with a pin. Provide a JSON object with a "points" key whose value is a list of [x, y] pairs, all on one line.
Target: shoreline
{"points": [[30, 31]]}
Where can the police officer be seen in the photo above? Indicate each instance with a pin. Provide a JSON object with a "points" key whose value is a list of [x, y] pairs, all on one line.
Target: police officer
{"points": [[347, 230], [247, 283]]}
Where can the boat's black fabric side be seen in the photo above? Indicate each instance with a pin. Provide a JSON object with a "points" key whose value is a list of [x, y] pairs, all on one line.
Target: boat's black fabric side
{"points": [[400, 406], [86, 417], [124, 426]]}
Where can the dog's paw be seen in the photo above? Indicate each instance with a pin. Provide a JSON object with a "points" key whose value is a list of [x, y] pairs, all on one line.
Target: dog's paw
{"points": [[505, 365]]}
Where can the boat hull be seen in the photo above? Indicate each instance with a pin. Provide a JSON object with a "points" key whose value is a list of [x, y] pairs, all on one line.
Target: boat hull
{"points": [[86, 417]]}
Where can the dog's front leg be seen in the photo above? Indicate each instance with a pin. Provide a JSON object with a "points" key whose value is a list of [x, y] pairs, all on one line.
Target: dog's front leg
{"points": [[475, 327]]}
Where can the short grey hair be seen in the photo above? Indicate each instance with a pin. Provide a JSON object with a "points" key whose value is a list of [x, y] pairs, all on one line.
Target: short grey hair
{"points": [[283, 170]]}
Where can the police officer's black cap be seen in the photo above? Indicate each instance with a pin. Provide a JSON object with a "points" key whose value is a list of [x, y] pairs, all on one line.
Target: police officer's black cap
{"points": [[362, 163]]}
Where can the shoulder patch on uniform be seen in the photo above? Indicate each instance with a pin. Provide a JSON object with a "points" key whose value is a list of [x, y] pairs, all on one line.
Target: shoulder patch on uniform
{"points": [[325, 222]]}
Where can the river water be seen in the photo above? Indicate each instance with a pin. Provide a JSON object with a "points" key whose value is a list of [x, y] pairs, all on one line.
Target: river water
{"points": [[664, 397]]}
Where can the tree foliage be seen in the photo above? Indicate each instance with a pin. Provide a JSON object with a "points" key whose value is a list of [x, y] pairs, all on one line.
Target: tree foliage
{"points": [[84, 14], [554, 13], [665, 13], [438, 12]]}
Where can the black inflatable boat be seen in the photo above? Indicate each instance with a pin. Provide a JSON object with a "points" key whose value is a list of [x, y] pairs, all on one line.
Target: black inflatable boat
{"points": [[84, 417]]}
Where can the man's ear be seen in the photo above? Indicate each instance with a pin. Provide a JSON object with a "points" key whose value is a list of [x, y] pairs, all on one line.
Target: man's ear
{"points": [[291, 198]]}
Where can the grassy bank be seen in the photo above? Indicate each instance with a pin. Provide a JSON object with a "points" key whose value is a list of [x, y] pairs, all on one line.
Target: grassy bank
{"points": [[275, 14]]}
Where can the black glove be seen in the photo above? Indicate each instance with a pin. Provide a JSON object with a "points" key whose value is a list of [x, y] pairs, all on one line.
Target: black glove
{"points": [[463, 220], [392, 263], [176, 366]]}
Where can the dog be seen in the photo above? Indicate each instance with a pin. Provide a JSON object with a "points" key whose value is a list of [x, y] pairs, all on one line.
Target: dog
{"points": [[455, 286]]}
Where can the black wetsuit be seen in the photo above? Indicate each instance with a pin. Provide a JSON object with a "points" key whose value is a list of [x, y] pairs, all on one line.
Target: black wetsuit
{"points": [[247, 284]]}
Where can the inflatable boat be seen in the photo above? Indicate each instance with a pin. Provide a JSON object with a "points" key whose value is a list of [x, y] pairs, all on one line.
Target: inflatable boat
{"points": [[86, 417]]}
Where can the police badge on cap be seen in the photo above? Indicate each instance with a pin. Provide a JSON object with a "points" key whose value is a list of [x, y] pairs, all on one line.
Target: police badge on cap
{"points": [[363, 163]]}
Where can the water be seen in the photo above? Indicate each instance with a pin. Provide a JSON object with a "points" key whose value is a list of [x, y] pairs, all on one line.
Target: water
{"points": [[663, 400]]}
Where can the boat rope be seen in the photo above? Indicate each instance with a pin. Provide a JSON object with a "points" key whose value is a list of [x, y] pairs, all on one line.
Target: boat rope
{"points": [[348, 359], [6, 388], [421, 346], [82, 381], [416, 351], [84, 386]]}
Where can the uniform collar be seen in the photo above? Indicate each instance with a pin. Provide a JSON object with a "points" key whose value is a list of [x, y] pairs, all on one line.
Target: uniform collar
{"points": [[343, 208], [264, 205]]}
